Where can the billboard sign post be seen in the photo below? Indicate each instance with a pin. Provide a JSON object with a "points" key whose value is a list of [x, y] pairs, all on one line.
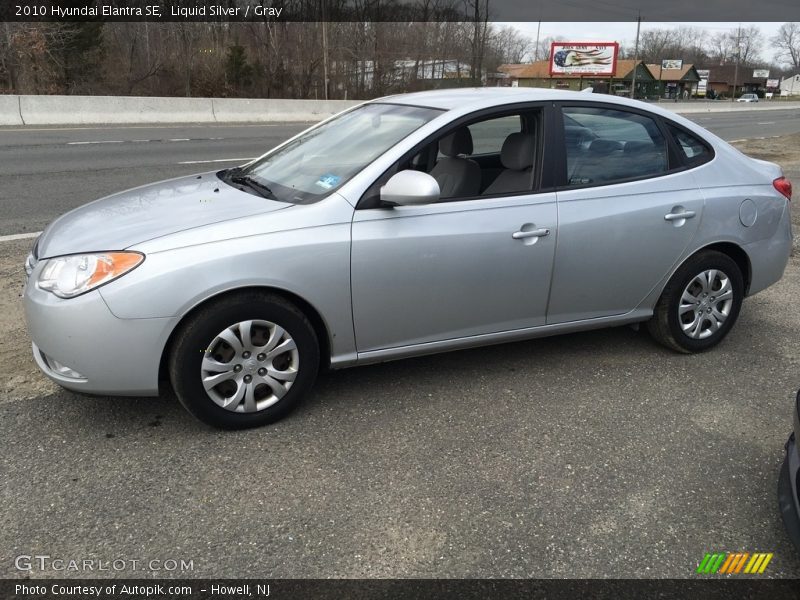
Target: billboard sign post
{"points": [[584, 58], [702, 85]]}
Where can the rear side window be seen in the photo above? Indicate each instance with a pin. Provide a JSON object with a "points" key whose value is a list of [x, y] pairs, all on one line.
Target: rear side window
{"points": [[693, 150], [606, 145]]}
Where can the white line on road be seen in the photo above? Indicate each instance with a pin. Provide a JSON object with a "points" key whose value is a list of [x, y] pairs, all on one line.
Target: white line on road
{"points": [[98, 142], [179, 140], [218, 160], [766, 123], [19, 236], [174, 126]]}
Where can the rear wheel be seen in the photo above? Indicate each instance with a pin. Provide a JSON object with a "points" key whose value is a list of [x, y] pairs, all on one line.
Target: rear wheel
{"points": [[244, 360], [700, 303]]}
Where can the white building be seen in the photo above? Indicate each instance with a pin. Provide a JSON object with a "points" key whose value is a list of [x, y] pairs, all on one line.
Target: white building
{"points": [[790, 86]]}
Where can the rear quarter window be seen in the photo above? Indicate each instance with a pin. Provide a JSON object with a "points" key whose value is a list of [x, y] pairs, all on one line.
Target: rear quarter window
{"points": [[692, 150]]}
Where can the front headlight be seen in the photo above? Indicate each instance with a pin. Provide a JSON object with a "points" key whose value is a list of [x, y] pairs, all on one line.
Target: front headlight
{"points": [[70, 276]]}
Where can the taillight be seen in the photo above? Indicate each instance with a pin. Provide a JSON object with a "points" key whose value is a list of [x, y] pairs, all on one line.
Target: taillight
{"points": [[784, 186]]}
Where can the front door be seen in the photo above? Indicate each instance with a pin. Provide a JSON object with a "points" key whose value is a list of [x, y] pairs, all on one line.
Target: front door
{"points": [[450, 270]]}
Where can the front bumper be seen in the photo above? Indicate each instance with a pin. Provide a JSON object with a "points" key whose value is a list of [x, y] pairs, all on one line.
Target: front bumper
{"points": [[82, 346], [789, 483]]}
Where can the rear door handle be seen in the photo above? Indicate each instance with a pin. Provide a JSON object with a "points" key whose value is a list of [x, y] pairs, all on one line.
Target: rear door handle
{"points": [[521, 235], [687, 214]]}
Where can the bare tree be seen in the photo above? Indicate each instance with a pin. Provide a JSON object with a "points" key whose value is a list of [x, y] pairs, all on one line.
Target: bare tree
{"points": [[508, 45], [787, 42], [751, 42], [743, 44]]}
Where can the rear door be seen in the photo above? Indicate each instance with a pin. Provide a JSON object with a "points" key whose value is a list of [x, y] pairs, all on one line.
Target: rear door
{"points": [[625, 213]]}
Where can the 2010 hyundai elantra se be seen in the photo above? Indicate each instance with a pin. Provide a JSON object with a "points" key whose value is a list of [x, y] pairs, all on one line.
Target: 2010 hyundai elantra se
{"points": [[408, 225]]}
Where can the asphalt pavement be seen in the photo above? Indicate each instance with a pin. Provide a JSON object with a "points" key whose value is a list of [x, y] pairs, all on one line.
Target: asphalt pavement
{"points": [[598, 454]]}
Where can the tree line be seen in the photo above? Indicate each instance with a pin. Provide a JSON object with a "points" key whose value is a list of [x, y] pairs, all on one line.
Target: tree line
{"points": [[355, 60]]}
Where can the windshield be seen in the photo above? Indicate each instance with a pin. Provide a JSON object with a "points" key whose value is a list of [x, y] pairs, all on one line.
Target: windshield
{"points": [[325, 158]]}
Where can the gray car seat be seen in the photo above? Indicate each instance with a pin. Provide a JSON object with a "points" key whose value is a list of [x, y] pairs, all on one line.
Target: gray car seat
{"points": [[458, 177], [516, 156]]}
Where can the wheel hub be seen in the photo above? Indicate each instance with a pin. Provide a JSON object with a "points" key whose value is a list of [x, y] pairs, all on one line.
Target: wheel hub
{"points": [[705, 304], [249, 366]]}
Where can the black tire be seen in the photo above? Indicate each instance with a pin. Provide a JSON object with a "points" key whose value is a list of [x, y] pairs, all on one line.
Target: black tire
{"points": [[665, 326], [196, 333]]}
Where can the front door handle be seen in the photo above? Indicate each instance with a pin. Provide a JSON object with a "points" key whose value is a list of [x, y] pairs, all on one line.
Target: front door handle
{"points": [[686, 214], [535, 233]]}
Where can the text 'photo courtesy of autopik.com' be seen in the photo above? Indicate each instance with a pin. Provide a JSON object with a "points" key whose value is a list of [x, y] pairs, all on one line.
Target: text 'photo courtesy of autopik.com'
{"points": [[324, 299]]}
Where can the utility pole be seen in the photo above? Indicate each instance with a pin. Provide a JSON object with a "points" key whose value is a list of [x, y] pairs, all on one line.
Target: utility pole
{"points": [[325, 54], [636, 55], [324, 6], [738, 56], [536, 48]]}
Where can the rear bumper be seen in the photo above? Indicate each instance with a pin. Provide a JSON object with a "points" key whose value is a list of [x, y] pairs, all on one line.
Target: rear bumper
{"points": [[788, 482], [769, 257]]}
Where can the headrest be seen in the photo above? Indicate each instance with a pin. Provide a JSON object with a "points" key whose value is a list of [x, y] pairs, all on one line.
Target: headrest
{"points": [[574, 134], [458, 142], [638, 146], [517, 151], [604, 146]]}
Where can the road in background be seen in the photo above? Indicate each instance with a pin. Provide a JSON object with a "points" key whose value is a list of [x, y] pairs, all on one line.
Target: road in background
{"points": [[46, 171]]}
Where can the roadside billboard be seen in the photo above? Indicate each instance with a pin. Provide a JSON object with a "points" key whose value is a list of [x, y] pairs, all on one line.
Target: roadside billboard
{"points": [[773, 83], [760, 73], [672, 63], [584, 58]]}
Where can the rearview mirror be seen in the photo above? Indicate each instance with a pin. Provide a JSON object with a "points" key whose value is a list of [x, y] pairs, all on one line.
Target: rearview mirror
{"points": [[409, 188]]}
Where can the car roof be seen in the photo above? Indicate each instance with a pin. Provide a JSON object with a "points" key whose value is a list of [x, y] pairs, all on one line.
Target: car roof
{"points": [[486, 97]]}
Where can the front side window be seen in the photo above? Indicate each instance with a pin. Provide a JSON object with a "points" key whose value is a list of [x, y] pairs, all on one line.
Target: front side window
{"points": [[326, 157], [488, 136], [606, 145]]}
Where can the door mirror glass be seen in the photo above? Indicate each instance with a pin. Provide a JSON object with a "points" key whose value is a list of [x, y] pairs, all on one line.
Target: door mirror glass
{"points": [[410, 188]]}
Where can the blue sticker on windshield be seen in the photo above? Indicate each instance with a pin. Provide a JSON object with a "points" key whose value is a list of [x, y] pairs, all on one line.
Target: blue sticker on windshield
{"points": [[328, 181]]}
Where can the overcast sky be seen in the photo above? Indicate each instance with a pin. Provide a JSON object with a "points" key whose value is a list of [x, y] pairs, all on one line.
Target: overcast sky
{"points": [[625, 33]]}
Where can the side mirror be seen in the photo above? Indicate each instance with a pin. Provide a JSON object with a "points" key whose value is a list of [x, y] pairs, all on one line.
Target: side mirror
{"points": [[410, 188]]}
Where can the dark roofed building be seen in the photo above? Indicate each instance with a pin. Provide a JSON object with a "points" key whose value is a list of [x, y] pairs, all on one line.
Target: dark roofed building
{"points": [[675, 83], [722, 78]]}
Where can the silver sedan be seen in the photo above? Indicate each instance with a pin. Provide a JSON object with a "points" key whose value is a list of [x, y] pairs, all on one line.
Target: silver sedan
{"points": [[408, 225]]}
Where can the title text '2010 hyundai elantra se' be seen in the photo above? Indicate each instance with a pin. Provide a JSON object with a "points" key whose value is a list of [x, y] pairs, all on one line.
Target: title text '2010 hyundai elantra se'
{"points": [[408, 225]]}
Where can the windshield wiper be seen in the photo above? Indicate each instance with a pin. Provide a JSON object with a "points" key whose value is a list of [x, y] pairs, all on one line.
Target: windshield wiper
{"points": [[253, 184]]}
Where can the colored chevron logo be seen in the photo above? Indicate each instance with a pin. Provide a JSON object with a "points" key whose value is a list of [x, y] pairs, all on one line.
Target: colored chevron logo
{"points": [[734, 563]]}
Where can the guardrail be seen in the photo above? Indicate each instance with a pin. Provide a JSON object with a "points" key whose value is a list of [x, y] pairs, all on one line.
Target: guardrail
{"points": [[96, 110], [109, 110]]}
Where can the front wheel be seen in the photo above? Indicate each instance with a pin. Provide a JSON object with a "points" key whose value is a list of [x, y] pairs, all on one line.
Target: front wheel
{"points": [[700, 303], [244, 360]]}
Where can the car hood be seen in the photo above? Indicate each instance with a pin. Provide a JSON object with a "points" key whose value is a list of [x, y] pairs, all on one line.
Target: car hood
{"points": [[151, 211]]}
